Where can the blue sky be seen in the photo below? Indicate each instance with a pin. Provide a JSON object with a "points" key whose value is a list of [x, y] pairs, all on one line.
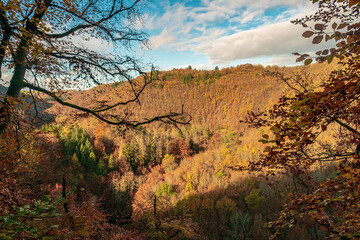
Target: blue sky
{"points": [[210, 33], [223, 33]]}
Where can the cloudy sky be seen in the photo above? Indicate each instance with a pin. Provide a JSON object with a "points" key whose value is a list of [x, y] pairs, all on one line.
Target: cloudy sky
{"points": [[209, 33]]}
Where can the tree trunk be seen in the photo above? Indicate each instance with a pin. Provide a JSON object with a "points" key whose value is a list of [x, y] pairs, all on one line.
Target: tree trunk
{"points": [[16, 84], [17, 80]]}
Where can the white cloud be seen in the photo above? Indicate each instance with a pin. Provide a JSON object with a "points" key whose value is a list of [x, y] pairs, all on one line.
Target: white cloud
{"points": [[205, 66], [5, 76], [266, 40], [247, 10], [192, 43], [282, 60], [269, 40], [175, 16], [249, 15], [181, 20], [208, 29], [161, 39]]}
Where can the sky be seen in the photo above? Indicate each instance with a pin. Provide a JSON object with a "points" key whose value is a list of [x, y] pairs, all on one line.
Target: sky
{"points": [[209, 33], [223, 33]]}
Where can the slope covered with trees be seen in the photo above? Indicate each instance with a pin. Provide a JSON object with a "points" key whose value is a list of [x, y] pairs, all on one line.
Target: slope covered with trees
{"points": [[79, 178], [186, 174]]}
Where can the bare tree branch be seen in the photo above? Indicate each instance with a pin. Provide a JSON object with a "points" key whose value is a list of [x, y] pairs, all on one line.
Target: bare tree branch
{"points": [[167, 118]]}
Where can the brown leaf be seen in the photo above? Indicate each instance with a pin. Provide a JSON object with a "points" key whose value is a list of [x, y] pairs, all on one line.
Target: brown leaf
{"points": [[319, 27], [353, 2], [317, 39], [342, 25], [327, 37], [307, 34]]}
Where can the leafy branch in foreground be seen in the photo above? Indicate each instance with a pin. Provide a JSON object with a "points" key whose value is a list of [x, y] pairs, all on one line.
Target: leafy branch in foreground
{"points": [[30, 222], [299, 121], [336, 21]]}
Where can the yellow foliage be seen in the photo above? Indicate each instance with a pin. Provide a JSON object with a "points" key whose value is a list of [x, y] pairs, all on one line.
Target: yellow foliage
{"points": [[224, 151]]}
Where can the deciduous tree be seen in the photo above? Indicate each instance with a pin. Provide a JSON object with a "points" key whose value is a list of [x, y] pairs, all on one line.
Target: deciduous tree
{"points": [[43, 45], [297, 122]]}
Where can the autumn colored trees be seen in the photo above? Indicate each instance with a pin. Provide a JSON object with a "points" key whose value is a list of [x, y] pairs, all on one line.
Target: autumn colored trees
{"points": [[169, 183], [303, 124], [41, 43]]}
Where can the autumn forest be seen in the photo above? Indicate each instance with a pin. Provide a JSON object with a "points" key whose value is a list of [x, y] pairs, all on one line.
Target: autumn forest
{"points": [[104, 146]]}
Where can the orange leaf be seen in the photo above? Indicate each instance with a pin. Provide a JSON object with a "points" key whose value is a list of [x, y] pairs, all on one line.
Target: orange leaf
{"points": [[353, 2]]}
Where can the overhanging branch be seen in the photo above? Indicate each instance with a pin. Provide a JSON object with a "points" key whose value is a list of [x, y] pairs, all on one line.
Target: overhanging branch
{"points": [[170, 118], [347, 127]]}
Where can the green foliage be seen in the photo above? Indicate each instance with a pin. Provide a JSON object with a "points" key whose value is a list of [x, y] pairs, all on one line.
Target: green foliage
{"points": [[167, 76], [206, 76], [155, 230], [180, 134], [79, 148], [150, 153], [49, 128], [28, 222], [132, 155], [155, 75], [101, 169], [165, 189], [229, 140], [111, 163], [254, 199], [116, 84], [187, 78], [208, 134]]}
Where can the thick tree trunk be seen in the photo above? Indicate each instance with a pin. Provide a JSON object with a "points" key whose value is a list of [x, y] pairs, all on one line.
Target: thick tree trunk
{"points": [[6, 35], [16, 84], [17, 80]]}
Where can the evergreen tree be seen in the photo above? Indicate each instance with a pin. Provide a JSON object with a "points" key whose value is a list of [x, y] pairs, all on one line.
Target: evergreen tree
{"points": [[91, 163], [111, 163], [75, 163], [132, 155], [101, 170], [150, 153]]}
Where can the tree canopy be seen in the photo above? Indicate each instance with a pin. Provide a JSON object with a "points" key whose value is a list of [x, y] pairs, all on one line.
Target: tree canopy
{"points": [[43, 44], [299, 121]]}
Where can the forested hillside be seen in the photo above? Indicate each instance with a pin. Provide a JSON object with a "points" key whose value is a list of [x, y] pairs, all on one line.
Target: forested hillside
{"points": [[162, 181], [245, 152]]}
